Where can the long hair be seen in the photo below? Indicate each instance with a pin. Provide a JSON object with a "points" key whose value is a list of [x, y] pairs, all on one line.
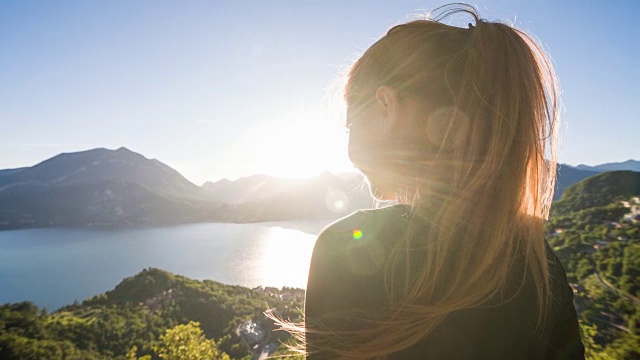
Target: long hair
{"points": [[478, 169]]}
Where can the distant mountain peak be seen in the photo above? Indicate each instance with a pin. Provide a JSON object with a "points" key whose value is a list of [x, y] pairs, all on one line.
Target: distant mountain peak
{"points": [[630, 164], [97, 186], [125, 150]]}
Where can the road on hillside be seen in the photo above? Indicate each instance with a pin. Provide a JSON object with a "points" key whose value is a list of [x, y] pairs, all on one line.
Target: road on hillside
{"points": [[610, 286]]}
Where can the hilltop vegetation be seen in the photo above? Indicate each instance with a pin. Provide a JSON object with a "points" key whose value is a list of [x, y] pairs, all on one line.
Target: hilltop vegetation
{"points": [[600, 250], [137, 319]]}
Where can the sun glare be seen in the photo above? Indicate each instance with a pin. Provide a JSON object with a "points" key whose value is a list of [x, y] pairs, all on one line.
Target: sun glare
{"points": [[277, 267], [294, 148]]}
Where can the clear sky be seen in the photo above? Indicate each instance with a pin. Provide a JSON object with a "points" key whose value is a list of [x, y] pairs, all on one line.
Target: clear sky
{"points": [[231, 88]]}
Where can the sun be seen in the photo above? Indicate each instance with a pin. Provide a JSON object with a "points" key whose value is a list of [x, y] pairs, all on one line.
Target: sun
{"points": [[295, 148]]}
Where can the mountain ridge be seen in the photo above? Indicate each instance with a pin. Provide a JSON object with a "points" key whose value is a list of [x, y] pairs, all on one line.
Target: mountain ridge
{"points": [[103, 187], [630, 164], [99, 187]]}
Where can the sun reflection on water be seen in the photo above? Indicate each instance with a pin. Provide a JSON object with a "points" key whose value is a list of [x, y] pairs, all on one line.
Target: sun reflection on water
{"points": [[279, 258]]}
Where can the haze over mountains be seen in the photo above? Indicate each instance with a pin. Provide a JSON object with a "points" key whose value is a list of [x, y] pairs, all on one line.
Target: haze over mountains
{"points": [[102, 187]]}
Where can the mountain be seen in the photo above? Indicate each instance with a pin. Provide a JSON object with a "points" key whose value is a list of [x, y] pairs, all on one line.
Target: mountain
{"points": [[632, 165], [100, 165], [325, 196], [568, 175], [266, 198], [269, 191], [606, 186], [250, 188], [8, 172], [98, 187], [102, 187], [599, 190]]}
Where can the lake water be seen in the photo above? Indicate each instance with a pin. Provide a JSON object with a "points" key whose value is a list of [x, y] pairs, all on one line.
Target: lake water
{"points": [[54, 267]]}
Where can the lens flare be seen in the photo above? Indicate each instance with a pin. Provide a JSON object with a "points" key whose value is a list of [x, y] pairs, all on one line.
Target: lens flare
{"points": [[337, 200], [357, 234]]}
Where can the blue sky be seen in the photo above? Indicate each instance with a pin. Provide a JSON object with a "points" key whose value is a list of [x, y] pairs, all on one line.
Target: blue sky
{"points": [[230, 88]]}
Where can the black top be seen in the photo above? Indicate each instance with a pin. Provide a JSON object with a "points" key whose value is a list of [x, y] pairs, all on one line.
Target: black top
{"points": [[346, 273]]}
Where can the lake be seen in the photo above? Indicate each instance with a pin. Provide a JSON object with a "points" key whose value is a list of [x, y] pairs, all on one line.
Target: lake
{"points": [[56, 266]]}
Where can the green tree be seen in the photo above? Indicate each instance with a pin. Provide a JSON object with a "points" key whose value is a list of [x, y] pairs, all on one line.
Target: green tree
{"points": [[631, 270], [133, 354], [187, 342], [593, 350]]}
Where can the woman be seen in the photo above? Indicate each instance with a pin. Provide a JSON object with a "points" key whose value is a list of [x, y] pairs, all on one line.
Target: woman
{"points": [[458, 126]]}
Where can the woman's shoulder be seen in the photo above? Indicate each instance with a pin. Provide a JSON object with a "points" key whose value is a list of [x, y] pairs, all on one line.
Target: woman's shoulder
{"points": [[365, 224], [358, 244]]}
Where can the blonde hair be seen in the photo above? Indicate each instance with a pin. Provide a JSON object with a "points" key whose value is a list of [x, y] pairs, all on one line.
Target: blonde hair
{"points": [[478, 170]]}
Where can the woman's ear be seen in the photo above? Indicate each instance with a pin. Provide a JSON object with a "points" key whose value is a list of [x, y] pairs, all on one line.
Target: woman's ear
{"points": [[387, 102]]}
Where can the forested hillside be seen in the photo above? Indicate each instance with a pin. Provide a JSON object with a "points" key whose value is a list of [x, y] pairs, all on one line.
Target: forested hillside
{"points": [[595, 230], [140, 319]]}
